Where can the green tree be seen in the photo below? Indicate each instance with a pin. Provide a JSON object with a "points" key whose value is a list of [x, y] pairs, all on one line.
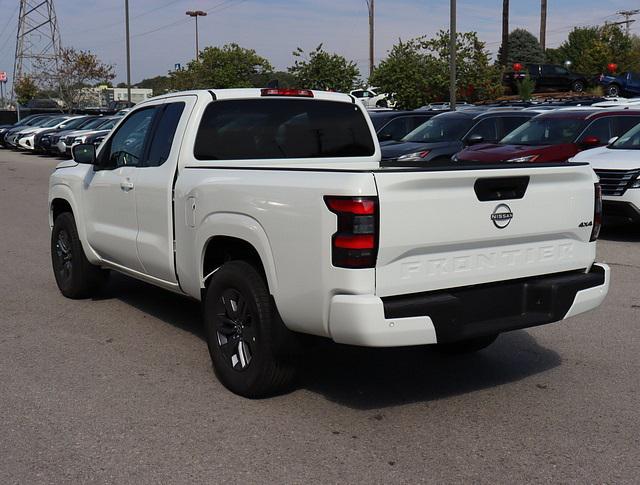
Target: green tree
{"points": [[283, 78], [159, 84], [324, 71], [590, 49], [26, 89], [418, 70], [75, 73], [229, 66], [523, 47]]}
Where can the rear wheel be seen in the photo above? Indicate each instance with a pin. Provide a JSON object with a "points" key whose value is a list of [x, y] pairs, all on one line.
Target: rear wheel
{"points": [[75, 276], [250, 347], [577, 86], [467, 346]]}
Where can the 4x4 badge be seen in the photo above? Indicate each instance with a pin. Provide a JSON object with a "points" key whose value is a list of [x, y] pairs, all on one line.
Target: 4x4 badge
{"points": [[502, 216]]}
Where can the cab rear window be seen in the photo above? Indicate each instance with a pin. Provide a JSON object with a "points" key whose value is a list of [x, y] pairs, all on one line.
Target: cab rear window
{"points": [[251, 129]]}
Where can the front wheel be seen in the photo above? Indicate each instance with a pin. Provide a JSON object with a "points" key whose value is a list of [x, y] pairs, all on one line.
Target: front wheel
{"points": [[248, 343], [467, 346], [613, 90], [75, 276]]}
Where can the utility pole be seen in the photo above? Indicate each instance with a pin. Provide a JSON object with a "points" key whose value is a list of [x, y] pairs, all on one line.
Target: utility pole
{"points": [[627, 14], [126, 21], [371, 8], [38, 43], [505, 32], [543, 24], [452, 56], [196, 14]]}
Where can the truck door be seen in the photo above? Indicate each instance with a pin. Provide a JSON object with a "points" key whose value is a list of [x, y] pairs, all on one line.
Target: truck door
{"points": [[109, 192], [154, 188]]}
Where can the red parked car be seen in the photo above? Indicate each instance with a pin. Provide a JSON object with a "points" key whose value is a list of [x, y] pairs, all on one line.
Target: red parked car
{"points": [[555, 136]]}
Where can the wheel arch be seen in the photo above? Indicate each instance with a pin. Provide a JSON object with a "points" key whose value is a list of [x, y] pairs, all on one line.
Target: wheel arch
{"points": [[226, 237]]}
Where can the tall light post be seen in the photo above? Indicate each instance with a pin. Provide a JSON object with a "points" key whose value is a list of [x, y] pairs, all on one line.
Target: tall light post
{"points": [[126, 22], [196, 14], [371, 8], [452, 58]]}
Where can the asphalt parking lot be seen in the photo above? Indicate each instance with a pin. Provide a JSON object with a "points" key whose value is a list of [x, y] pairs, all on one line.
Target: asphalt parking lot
{"points": [[120, 389]]}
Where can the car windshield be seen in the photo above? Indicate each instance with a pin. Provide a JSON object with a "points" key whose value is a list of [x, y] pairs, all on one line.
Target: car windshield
{"points": [[545, 131], [53, 122], [107, 124], [93, 123], [629, 141], [445, 128]]}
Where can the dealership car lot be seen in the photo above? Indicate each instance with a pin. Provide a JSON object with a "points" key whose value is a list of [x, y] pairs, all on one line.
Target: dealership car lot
{"points": [[120, 389]]}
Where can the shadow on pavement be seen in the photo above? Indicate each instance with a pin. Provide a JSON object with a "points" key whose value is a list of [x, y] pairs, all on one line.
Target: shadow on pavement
{"points": [[620, 231], [364, 378]]}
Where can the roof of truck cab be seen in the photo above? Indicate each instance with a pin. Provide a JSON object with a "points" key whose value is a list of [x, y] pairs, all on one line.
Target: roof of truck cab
{"points": [[252, 93]]}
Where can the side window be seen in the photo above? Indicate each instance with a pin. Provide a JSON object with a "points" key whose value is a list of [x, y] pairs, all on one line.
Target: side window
{"points": [[486, 129], [622, 124], [395, 129], [164, 134], [126, 147], [511, 123], [358, 94], [547, 70], [417, 121], [600, 129], [561, 70], [534, 69]]}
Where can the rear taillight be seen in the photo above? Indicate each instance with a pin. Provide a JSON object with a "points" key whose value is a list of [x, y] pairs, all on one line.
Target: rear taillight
{"points": [[355, 244], [597, 213], [301, 93]]}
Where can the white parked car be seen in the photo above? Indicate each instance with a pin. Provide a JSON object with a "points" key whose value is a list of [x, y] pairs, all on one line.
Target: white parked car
{"points": [[618, 167], [272, 208], [372, 98], [24, 139]]}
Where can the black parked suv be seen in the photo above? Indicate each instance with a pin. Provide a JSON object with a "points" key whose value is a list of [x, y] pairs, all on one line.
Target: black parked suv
{"points": [[548, 77]]}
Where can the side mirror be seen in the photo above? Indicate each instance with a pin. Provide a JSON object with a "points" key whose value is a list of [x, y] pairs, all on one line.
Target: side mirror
{"points": [[612, 140], [590, 142], [84, 153], [475, 140]]}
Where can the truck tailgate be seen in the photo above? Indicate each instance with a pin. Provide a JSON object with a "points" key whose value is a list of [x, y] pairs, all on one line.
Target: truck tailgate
{"points": [[442, 229]]}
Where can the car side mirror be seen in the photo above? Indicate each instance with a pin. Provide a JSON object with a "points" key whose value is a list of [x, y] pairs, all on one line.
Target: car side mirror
{"points": [[590, 141], [612, 140], [84, 153], [475, 140]]}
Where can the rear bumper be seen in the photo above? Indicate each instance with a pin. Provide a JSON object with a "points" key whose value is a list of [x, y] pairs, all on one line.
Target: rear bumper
{"points": [[463, 313]]}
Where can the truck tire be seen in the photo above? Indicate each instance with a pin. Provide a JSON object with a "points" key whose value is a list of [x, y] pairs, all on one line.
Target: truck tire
{"points": [[612, 90], [75, 276], [577, 86], [467, 346], [249, 345]]}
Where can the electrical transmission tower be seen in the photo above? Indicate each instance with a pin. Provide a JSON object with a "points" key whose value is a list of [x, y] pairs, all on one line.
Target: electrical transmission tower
{"points": [[38, 40], [627, 14]]}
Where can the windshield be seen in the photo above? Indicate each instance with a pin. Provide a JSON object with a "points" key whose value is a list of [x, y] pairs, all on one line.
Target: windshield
{"points": [[53, 122], [545, 131], [629, 141], [75, 123], [93, 123], [107, 124], [445, 128]]}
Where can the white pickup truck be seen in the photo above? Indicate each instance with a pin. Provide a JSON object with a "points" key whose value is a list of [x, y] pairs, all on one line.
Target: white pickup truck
{"points": [[271, 207]]}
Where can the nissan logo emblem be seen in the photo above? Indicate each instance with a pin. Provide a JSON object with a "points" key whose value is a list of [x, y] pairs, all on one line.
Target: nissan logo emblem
{"points": [[502, 216]]}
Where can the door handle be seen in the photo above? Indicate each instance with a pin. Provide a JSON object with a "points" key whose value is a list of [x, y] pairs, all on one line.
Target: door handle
{"points": [[126, 185]]}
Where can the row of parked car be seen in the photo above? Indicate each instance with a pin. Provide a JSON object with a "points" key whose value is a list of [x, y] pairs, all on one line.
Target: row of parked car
{"points": [[605, 134], [56, 134]]}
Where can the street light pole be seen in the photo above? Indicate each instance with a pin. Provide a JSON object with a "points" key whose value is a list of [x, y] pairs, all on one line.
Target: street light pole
{"points": [[371, 8], [126, 16], [452, 57], [196, 14]]}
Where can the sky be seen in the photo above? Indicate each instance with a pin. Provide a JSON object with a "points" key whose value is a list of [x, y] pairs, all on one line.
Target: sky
{"points": [[162, 35]]}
